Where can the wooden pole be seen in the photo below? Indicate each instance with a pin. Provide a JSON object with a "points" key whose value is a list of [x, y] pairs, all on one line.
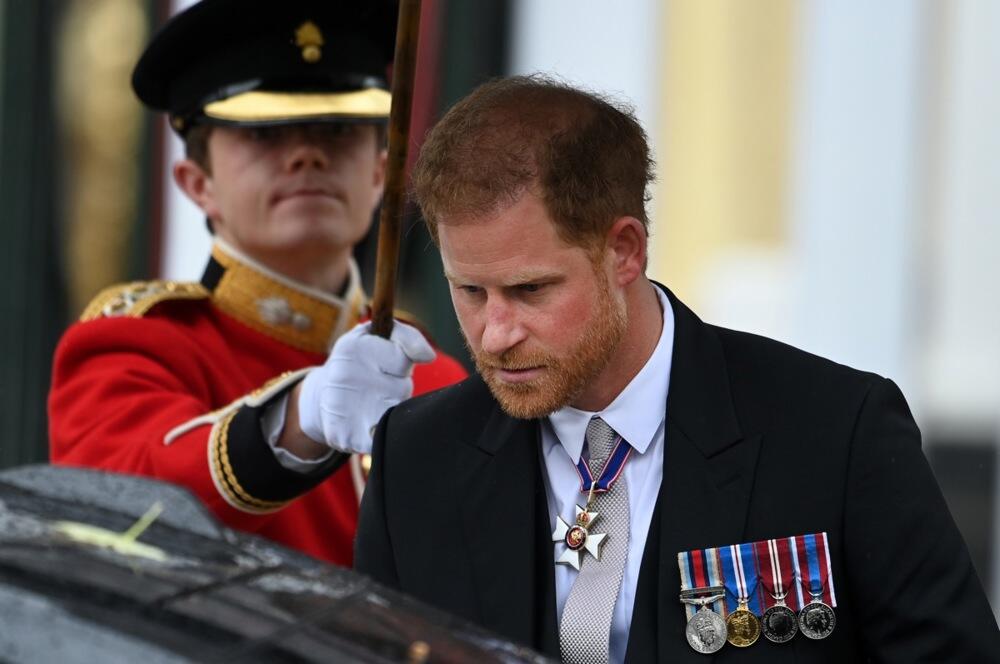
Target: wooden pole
{"points": [[393, 201]]}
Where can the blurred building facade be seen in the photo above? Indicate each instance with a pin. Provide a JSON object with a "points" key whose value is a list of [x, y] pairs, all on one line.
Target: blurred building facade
{"points": [[827, 177]]}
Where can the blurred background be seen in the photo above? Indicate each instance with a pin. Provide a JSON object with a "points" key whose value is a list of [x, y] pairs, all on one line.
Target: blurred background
{"points": [[827, 176]]}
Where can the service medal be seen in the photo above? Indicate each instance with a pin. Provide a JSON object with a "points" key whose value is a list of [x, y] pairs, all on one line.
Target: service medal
{"points": [[739, 569], [706, 631], [742, 627], [817, 619], [779, 623]]}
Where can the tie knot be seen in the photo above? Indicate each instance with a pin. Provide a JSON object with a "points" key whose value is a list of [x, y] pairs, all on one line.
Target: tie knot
{"points": [[599, 438]]}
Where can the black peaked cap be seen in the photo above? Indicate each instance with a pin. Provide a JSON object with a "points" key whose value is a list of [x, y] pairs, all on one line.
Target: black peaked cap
{"points": [[302, 58]]}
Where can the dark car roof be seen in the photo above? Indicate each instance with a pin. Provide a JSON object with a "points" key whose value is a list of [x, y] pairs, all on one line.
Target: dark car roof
{"points": [[74, 589]]}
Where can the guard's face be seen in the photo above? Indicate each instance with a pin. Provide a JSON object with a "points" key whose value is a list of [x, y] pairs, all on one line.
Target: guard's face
{"points": [[294, 192], [541, 320]]}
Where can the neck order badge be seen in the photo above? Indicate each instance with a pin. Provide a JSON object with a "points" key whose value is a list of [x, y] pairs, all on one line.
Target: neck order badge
{"points": [[777, 587], [578, 537], [585, 624]]}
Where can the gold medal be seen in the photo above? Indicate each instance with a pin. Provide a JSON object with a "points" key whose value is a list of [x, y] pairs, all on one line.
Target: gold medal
{"points": [[742, 626]]}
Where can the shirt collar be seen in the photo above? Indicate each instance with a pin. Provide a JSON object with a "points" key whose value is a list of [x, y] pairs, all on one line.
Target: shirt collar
{"points": [[638, 411]]}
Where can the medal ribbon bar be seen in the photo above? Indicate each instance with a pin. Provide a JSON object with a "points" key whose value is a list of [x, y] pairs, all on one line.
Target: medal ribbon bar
{"points": [[796, 565]]}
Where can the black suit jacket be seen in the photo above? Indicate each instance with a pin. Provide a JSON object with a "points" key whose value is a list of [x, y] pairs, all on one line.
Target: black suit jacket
{"points": [[762, 441]]}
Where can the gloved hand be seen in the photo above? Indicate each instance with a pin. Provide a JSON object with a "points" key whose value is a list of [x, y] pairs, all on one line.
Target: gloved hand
{"points": [[341, 402]]}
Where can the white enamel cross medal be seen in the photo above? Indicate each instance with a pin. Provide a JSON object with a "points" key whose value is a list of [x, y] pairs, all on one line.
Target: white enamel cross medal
{"points": [[578, 537]]}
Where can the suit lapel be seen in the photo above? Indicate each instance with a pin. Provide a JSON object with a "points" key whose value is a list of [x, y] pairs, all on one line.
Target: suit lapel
{"points": [[504, 513], [708, 472]]}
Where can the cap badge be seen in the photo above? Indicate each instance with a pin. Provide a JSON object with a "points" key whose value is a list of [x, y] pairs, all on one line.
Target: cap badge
{"points": [[309, 38]]}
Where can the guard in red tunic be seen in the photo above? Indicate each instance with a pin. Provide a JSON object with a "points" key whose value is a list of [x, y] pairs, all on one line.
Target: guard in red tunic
{"points": [[229, 386]]}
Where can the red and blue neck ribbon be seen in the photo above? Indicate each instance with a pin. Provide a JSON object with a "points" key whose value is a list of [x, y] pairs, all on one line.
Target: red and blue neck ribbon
{"points": [[612, 469]]}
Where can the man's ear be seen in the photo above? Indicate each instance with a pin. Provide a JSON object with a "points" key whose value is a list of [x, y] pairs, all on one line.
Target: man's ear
{"points": [[197, 184], [626, 242]]}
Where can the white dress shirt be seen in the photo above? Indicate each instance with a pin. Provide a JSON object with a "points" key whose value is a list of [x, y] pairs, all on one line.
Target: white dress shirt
{"points": [[637, 414]]}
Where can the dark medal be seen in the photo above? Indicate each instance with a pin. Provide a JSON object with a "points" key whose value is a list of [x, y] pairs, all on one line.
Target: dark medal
{"points": [[779, 622]]}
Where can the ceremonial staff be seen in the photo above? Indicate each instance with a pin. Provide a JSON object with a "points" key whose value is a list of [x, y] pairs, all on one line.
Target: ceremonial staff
{"points": [[393, 207]]}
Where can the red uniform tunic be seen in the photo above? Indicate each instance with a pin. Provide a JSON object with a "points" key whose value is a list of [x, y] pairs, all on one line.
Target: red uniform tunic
{"points": [[168, 380]]}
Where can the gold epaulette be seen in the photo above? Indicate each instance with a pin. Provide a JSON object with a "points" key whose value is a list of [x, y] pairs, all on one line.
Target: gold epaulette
{"points": [[136, 298]]}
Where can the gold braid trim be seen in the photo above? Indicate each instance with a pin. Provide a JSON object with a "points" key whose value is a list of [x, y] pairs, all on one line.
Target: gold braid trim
{"points": [[274, 385], [282, 309], [138, 297], [224, 477]]}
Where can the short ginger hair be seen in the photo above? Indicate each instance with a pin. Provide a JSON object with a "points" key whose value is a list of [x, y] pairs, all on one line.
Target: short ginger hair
{"points": [[586, 157]]}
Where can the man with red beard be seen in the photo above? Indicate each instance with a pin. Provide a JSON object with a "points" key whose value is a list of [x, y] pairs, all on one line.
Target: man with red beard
{"points": [[610, 430]]}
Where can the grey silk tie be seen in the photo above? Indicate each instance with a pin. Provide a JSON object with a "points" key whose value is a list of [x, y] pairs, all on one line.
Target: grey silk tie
{"points": [[585, 628]]}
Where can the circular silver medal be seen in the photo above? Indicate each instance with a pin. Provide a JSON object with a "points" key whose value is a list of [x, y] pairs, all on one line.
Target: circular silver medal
{"points": [[779, 624], [817, 620], [706, 631]]}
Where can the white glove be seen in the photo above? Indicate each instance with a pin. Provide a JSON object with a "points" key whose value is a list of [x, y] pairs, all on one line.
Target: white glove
{"points": [[341, 402]]}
